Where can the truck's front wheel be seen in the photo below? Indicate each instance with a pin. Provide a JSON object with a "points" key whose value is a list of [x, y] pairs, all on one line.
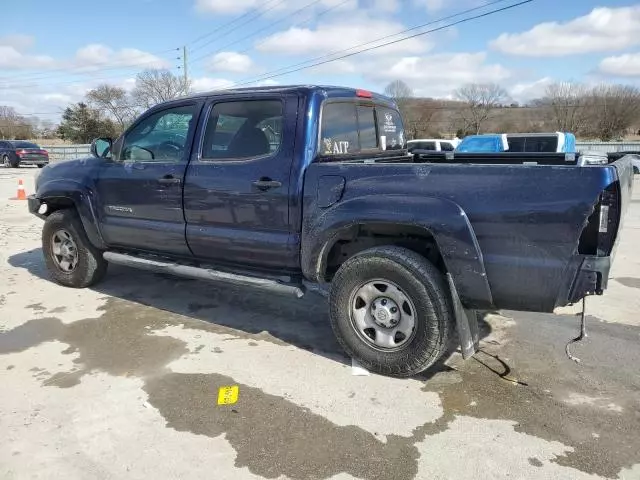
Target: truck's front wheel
{"points": [[71, 259], [391, 310]]}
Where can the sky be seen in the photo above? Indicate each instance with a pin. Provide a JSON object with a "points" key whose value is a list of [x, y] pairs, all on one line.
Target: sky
{"points": [[52, 53]]}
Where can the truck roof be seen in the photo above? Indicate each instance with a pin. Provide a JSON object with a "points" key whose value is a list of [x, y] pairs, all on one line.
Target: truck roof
{"points": [[328, 90]]}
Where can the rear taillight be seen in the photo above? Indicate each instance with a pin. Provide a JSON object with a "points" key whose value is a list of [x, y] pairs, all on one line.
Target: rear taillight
{"points": [[44, 152], [599, 236], [20, 152], [363, 94]]}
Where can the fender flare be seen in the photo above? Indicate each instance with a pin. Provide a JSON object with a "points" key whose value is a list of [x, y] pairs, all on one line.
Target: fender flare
{"points": [[442, 219], [83, 199]]}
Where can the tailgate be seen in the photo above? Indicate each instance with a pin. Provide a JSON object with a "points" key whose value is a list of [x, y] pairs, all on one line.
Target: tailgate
{"points": [[624, 171]]}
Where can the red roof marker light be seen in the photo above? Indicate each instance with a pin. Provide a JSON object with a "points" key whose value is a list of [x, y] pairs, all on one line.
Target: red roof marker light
{"points": [[364, 94]]}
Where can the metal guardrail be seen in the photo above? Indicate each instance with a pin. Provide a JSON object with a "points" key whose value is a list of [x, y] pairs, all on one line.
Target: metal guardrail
{"points": [[67, 152], [606, 147]]}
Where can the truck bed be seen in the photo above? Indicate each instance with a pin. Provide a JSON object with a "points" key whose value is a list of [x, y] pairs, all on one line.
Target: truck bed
{"points": [[527, 221]]}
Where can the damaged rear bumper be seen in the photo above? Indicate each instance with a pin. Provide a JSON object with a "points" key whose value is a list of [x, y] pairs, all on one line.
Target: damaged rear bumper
{"points": [[587, 275]]}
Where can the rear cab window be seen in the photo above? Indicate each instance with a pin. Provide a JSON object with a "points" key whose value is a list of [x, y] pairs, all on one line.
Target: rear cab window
{"points": [[350, 127]]}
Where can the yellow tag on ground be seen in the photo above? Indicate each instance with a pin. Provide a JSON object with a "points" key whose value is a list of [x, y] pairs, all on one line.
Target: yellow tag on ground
{"points": [[228, 395]]}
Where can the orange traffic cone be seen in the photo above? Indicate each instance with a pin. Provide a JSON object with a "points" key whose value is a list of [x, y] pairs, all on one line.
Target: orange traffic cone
{"points": [[21, 195]]}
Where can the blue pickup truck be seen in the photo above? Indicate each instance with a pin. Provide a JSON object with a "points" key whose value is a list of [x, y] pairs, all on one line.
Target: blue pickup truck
{"points": [[278, 187]]}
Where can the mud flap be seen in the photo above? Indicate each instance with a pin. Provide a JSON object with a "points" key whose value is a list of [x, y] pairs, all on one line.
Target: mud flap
{"points": [[466, 321]]}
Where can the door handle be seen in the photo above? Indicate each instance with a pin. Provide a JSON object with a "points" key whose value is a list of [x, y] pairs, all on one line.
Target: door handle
{"points": [[266, 183], [169, 180]]}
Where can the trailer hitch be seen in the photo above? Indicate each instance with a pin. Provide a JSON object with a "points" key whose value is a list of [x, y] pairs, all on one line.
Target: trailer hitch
{"points": [[583, 332]]}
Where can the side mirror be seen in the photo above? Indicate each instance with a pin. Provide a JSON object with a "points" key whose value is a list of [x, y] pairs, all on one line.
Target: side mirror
{"points": [[101, 147]]}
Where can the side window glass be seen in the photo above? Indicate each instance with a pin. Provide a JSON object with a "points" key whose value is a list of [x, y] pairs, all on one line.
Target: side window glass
{"points": [[391, 129], [339, 133], [446, 147], [243, 130], [367, 127], [160, 137]]}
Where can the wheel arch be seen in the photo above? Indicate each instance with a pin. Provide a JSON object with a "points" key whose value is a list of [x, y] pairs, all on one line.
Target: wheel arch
{"points": [[62, 194], [436, 228]]}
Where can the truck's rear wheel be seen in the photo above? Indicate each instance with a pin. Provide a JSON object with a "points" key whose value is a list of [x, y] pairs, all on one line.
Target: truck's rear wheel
{"points": [[70, 258], [391, 310]]}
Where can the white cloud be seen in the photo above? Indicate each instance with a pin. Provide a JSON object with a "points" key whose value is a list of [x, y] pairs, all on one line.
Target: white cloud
{"points": [[525, 92], [604, 29], [96, 56], [339, 36], [627, 65], [241, 6], [436, 75], [17, 41], [49, 101], [230, 62], [204, 84], [12, 58]]}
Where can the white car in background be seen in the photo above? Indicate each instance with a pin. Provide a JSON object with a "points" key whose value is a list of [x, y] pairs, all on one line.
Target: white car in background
{"points": [[432, 144]]}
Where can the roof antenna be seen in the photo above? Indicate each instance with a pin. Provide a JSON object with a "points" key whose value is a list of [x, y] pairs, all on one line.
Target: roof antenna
{"points": [[583, 332]]}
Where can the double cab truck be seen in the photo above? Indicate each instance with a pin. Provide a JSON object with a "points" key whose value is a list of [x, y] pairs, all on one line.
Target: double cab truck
{"points": [[282, 187]]}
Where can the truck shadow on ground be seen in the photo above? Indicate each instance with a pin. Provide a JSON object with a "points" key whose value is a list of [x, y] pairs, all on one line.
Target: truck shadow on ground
{"points": [[303, 323]]}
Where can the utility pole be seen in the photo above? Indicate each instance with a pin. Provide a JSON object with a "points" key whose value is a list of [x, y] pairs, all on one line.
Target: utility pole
{"points": [[184, 68]]}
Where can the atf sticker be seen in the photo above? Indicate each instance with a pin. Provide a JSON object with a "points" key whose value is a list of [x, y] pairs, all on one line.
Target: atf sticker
{"points": [[228, 395]]}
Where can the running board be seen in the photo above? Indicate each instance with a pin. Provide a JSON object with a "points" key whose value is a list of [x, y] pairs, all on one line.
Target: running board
{"points": [[187, 271]]}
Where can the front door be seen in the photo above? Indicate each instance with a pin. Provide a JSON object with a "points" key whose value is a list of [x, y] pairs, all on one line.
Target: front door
{"points": [[237, 190], [140, 191]]}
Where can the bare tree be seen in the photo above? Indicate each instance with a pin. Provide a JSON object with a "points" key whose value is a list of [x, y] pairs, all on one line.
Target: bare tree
{"points": [[14, 125], [401, 93], [611, 110], [421, 118], [565, 104], [155, 86], [114, 101], [480, 100]]}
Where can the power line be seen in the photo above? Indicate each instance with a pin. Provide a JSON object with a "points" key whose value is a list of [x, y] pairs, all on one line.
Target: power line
{"points": [[417, 27], [256, 32], [318, 15], [291, 69], [45, 75], [71, 82], [226, 25], [257, 15]]}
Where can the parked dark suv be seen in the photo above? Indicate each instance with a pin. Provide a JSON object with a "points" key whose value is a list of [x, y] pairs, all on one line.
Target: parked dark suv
{"points": [[14, 153]]}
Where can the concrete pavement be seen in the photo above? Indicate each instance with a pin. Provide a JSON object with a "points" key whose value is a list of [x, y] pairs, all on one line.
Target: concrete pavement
{"points": [[121, 381]]}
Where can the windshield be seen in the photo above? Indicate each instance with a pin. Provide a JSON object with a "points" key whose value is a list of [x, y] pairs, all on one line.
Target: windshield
{"points": [[24, 145]]}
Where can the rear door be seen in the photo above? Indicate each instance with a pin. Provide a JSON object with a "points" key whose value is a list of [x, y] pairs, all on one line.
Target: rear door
{"points": [[140, 191], [236, 193]]}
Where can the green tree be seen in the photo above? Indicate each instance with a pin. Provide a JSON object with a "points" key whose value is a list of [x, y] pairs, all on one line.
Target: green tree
{"points": [[81, 124]]}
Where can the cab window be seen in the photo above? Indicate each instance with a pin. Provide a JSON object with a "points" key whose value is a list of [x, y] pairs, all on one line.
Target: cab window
{"points": [[160, 137], [243, 130], [351, 128]]}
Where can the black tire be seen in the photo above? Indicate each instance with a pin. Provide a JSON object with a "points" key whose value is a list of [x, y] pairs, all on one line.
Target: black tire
{"points": [[90, 267], [40, 166], [422, 282], [6, 161]]}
